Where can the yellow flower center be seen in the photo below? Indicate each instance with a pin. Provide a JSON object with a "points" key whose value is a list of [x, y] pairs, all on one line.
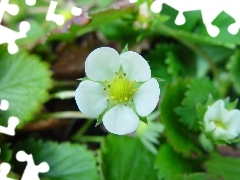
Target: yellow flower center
{"points": [[121, 89], [220, 124]]}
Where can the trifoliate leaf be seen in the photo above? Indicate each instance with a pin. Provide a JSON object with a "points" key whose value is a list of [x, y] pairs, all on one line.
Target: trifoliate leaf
{"points": [[194, 176], [66, 161], [198, 92], [169, 163], [223, 167], [233, 66], [126, 158], [178, 135], [24, 81]]}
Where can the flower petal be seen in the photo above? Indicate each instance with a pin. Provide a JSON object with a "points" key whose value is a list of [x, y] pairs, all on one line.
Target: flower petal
{"points": [[214, 112], [220, 133], [146, 98], [232, 120], [210, 126], [91, 98], [120, 120], [102, 63], [135, 66]]}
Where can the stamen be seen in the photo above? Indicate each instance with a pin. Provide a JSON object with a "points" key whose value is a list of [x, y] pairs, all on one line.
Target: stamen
{"points": [[112, 97], [121, 89]]}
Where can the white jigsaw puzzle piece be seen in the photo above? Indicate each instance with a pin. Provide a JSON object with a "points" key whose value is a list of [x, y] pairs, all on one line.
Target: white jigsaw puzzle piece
{"points": [[10, 130], [12, 121], [4, 170], [12, 9], [51, 16], [4, 105], [31, 171], [7, 35], [30, 2], [76, 11], [210, 9]]}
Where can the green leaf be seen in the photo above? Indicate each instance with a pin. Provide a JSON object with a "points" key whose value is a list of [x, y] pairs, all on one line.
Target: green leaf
{"points": [[194, 176], [178, 135], [218, 54], [198, 92], [5, 153], [149, 133], [126, 158], [24, 81], [233, 67], [86, 25], [156, 58], [35, 33], [174, 66], [223, 167], [194, 30], [169, 163], [125, 49], [66, 161]]}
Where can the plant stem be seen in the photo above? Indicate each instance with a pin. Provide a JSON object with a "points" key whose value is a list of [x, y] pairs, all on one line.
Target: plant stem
{"points": [[38, 10], [64, 115], [64, 95], [73, 83], [94, 139], [78, 135]]}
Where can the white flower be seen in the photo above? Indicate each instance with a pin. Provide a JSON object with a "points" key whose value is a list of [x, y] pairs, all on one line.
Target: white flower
{"points": [[120, 88], [221, 123]]}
